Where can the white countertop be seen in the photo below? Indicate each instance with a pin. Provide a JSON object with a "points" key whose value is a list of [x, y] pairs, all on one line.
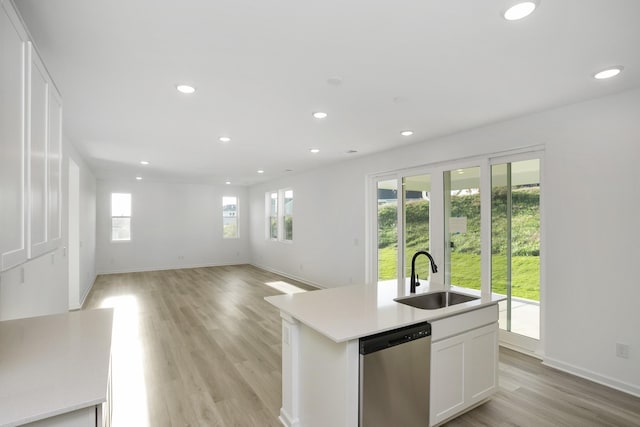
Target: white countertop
{"points": [[54, 364], [351, 312]]}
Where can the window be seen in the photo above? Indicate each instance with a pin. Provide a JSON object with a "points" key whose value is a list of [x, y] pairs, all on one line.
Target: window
{"points": [[515, 244], [120, 217], [230, 217], [288, 215], [462, 255], [279, 207], [272, 199]]}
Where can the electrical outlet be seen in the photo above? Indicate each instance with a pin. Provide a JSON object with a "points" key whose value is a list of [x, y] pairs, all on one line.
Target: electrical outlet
{"points": [[622, 350]]}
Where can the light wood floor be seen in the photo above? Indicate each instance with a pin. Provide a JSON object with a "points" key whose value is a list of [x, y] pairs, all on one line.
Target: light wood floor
{"points": [[200, 347]]}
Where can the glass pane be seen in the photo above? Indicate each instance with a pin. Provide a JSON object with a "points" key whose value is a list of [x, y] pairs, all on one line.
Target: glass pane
{"points": [[288, 214], [274, 204], [273, 227], [288, 228], [288, 202], [416, 193], [120, 204], [516, 244], [230, 227], [387, 230], [462, 227], [229, 217], [229, 206], [500, 237], [120, 228]]}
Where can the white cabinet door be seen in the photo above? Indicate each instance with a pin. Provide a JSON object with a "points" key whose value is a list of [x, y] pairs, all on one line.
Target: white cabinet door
{"points": [[45, 142], [38, 135], [13, 143], [447, 378], [482, 363], [54, 168], [464, 371]]}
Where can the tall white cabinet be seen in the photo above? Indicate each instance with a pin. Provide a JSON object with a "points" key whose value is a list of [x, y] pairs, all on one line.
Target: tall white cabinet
{"points": [[13, 139], [31, 148]]}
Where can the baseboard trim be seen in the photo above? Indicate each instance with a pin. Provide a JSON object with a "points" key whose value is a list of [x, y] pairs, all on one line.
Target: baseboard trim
{"points": [[290, 276], [164, 268], [631, 389], [286, 420]]}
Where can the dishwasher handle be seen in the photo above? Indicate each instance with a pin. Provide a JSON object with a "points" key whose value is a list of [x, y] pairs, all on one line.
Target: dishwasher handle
{"points": [[393, 338]]}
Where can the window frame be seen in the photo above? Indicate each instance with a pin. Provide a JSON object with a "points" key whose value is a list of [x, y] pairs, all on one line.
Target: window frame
{"points": [[236, 217], [112, 240], [276, 213]]}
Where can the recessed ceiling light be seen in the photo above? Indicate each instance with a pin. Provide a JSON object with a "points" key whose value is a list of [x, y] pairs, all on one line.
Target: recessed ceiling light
{"points": [[227, 182], [519, 11], [224, 139], [406, 133], [260, 171], [351, 151], [608, 73], [319, 115], [315, 150], [139, 178], [144, 162], [185, 89]]}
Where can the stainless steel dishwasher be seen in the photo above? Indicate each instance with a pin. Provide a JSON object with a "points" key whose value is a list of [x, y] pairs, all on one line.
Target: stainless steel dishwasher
{"points": [[394, 377]]}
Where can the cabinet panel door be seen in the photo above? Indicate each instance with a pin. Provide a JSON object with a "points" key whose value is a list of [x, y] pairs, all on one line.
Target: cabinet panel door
{"points": [[447, 378], [482, 363], [13, 148], [54, 164], [38, 128]]}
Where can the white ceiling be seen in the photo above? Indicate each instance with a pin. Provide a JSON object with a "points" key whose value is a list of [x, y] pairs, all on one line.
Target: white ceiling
{"points": [[262, 67]]}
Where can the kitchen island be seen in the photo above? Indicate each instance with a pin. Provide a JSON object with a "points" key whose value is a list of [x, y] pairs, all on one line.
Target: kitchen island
{"points": [[55, 370], [320, 350]]}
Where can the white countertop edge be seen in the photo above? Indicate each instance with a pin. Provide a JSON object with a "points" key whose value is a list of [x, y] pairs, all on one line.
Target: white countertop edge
{"points": [[54, 413]]}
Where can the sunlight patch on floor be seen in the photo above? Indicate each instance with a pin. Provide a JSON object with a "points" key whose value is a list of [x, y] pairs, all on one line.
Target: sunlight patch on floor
{"points": [[129, 397], [285, 287]]}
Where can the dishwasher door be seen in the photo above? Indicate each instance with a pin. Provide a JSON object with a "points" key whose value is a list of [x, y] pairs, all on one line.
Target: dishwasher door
{"points": [[394, 378]]}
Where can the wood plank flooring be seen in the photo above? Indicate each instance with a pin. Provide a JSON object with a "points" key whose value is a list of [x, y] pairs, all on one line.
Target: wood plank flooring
{"points": [[200, 347]]}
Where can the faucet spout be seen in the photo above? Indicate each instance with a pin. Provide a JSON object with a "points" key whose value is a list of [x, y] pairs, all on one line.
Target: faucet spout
{"points": [[414, 277]]}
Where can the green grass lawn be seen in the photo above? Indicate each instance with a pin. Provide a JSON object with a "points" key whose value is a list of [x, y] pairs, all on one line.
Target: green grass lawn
{"points": [[466, 267]]}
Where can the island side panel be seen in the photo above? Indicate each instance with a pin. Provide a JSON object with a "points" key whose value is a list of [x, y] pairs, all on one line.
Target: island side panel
{"points": [[319, 378], [290, 410]]}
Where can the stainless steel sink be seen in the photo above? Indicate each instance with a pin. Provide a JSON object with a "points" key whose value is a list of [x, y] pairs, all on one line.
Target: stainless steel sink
{"points": [[434, 300]]}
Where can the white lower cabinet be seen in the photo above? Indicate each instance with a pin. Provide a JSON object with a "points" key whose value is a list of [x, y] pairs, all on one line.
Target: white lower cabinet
{"points": [[464, 370]]}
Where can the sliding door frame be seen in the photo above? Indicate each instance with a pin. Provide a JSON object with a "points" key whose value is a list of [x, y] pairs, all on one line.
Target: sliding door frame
{"points": [[437, 228]]}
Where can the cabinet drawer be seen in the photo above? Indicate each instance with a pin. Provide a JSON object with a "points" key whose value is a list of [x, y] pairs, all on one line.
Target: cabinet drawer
{"points": [[460, 323]]}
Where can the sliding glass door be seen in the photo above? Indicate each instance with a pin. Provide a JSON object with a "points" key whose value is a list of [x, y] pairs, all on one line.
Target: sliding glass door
{"points": [[387, 228], [462, 227], [515, 244], [416, 205]]}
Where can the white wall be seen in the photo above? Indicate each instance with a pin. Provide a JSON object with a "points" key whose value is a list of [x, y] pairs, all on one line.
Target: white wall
{"points": [[173, 225], [591, 202], [44, 289]]}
